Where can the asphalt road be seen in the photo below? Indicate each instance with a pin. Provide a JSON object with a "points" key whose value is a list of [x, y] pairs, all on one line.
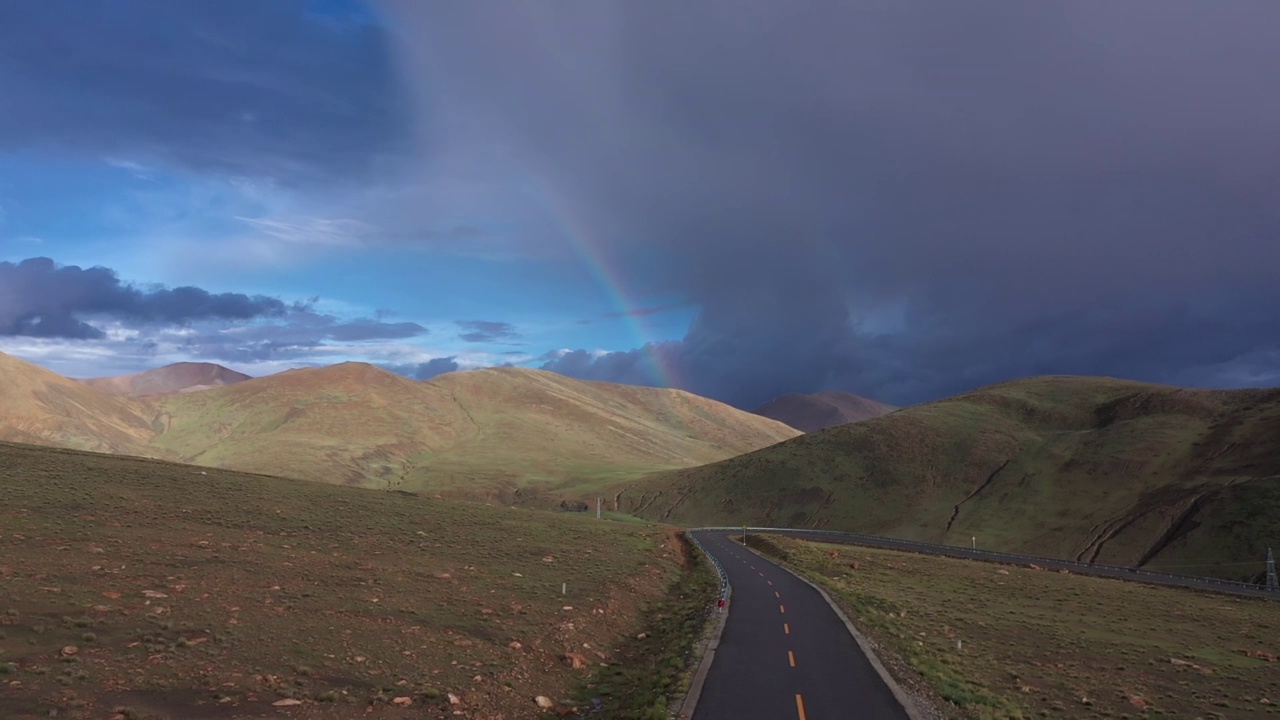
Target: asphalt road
{"points": [[784, 653]]}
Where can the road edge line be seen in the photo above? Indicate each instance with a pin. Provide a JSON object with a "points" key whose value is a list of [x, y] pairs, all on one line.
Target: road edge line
{"points": [[908, 705], [709, 655]]}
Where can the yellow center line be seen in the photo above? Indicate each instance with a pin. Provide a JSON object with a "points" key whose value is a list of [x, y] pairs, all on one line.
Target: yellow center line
{"points": [[777, 594], [782, 609], [791, 658], [769, 581], [786, 628], [800, 706]]}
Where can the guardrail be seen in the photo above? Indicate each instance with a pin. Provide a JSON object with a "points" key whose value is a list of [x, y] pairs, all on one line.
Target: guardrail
{"points": [[724, 578], [1115, 571]]}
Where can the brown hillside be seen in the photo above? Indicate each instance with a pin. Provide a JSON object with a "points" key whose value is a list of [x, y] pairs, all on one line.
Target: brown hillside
{"points": [[40, 406], [488, 431], [1090, 469], [818, 411], [175, 378]]}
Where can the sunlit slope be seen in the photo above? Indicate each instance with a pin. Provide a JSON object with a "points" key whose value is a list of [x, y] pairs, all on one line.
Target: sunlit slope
{"points": [[350, 423], [42, 407], [490, 430], [1084, 468]]}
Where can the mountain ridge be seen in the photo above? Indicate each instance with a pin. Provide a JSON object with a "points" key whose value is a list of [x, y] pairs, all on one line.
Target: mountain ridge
{"points": [[487, 433]]}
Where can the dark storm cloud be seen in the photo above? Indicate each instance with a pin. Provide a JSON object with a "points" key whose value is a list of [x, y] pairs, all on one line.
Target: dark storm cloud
{"points": [[367, 329], [899, 198], [39, 298], [426, 370], [479, 331], [237, 86], [299, 334]]}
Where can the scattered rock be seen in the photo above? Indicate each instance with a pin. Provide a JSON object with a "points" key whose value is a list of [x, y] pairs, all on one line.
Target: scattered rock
{"points": [[154, 594], [548, 559], [567, 607], [70, 650], [544, 702], [517, 574], [514, 645], [287, 702], [1193, 666], [360, 658], [1002, 572], [1138, 701], [454, 699], [442, 576], [402, 701], [574, 660], [1033, 566], [642, 636], [1261, 655]]}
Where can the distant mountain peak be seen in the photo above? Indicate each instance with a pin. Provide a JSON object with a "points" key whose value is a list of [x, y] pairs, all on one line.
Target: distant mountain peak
{"points": [[168, 380], [818, 411]]}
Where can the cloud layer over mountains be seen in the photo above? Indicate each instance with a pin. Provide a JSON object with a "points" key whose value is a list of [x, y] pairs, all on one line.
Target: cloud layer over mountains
{"points": [[899, 197]]}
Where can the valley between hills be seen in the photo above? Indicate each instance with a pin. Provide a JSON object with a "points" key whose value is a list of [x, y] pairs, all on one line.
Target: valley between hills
{"points": [[1081, 468], [217, 521]]}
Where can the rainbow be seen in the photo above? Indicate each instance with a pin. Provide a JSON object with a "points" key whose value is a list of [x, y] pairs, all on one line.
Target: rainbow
{"points": [[581, 238]]}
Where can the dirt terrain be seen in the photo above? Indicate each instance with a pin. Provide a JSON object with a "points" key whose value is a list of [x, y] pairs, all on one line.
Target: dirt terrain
{"points": [[133, 588]]}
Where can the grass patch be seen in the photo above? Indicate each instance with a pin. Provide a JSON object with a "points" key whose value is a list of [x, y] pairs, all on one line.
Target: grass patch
{"points": [[653, 673], [151, 586], [998, 641]]}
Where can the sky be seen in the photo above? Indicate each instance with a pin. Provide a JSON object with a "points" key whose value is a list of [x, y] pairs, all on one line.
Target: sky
{"points": [[898, 198]]}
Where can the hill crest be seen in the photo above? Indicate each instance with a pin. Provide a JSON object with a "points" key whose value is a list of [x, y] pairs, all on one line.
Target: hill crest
{"points": [[174, 378], [1088, 469], [485, 433]]}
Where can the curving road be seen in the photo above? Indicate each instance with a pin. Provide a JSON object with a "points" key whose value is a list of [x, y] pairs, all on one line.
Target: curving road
{"points": [[784, 653]]}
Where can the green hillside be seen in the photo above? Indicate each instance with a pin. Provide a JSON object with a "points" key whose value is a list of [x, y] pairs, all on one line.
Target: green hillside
{"points": [[1083, 468]]}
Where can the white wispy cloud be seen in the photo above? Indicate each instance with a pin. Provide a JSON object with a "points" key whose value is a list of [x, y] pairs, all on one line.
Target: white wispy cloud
{"points": [[315, 231]]}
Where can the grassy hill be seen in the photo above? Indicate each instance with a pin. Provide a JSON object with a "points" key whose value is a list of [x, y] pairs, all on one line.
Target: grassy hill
{"points": [[1083, 468], [819, 411], [42, 407], [486, 431], [501, 432], [152, 589]]}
